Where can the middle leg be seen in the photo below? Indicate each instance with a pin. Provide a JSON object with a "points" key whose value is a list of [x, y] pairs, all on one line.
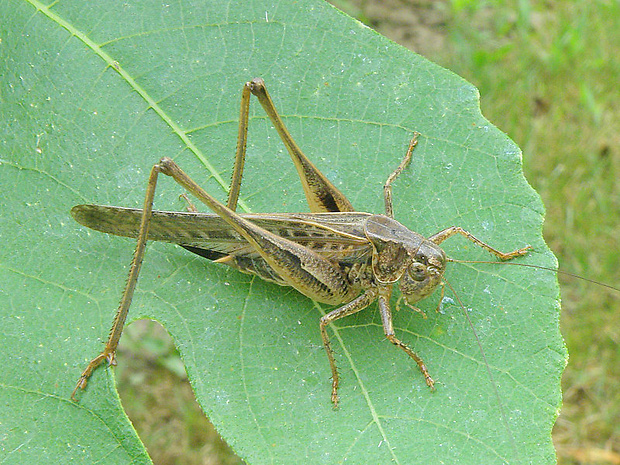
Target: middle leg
{"points": [[386, 319]]}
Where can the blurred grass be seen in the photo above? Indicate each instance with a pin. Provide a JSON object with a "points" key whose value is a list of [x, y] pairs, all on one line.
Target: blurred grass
{"points": [[549, 77], [160, 402]]}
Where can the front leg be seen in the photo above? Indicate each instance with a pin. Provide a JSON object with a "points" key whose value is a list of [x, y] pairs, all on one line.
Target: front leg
{"points": [[386, 319], [449, 232], [352, 307]]}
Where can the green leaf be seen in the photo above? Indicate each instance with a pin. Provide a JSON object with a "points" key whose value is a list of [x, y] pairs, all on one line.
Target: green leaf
{"points": [[93, 94]]}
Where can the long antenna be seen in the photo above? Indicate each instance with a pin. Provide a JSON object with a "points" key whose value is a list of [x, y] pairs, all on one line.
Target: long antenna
{"points": [[488, 368], [555, 270]]}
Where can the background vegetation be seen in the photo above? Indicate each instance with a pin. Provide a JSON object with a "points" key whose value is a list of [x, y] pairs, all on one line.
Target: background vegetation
{"points": [[548, 76]]}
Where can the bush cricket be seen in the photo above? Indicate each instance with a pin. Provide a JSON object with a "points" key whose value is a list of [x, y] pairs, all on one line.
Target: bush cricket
{"points": [[333, 254]]}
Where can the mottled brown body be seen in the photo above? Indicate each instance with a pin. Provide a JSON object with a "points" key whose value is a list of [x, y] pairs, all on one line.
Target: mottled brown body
{"points": [[333, 255]]}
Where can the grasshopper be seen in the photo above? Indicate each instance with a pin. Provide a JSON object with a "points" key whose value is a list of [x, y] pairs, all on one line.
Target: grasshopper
{"points": [[333, 255]]}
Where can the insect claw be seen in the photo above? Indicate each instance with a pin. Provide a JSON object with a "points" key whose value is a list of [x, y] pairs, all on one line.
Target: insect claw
{"points": [[429, 381], [190, 206], [418, 310], [111, 358], [81, 384]]}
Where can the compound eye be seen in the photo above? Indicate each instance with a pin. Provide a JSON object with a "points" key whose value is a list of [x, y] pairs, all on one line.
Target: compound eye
{"points": [[417, 272]]}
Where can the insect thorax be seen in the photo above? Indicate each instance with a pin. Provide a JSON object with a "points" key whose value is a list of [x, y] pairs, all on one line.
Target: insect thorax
{"points": [[404, 256]]}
